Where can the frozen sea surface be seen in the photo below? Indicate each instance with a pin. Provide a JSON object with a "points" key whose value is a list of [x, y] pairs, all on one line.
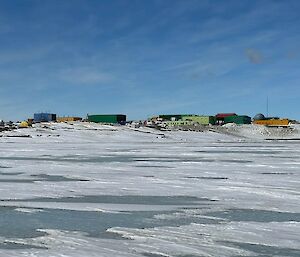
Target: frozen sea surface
{"points": [[91, 190]]}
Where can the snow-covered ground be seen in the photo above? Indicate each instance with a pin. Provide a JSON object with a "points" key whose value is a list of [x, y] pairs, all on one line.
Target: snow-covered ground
{"points": [[95, 190], [261, 132]]}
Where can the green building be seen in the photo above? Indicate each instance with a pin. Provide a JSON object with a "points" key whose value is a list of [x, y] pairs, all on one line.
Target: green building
{"points": [[107, 118], [238, 119], [202, 120]]}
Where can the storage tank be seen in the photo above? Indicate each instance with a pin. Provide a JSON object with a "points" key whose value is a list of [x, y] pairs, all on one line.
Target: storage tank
{"points": [[259, 116]]}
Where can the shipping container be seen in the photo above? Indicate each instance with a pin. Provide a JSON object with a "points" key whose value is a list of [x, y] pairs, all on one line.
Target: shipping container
{"points": [[202, 120], [44, 117], [238, 119], [108, 118], [273, 122]]}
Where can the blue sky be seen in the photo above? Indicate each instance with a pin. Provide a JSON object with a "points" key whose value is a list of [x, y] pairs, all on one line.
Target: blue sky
{"points": [[145, 57]]}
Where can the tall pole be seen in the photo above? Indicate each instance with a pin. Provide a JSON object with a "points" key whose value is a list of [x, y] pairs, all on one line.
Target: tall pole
{"points": [[267, 106]]}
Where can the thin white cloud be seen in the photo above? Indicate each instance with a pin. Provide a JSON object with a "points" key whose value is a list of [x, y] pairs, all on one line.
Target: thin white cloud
{"points": [[26, 54], [85, 75]]}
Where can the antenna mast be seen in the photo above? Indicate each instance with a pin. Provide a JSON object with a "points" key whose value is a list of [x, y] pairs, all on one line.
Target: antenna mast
{"points": [[267, 106]]}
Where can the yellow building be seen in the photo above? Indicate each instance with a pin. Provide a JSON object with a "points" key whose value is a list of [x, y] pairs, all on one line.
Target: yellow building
{"points": [[68, 119], [273, 122]]}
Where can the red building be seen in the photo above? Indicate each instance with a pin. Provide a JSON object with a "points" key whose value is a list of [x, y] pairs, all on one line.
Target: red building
{"points": [[221, 116]]}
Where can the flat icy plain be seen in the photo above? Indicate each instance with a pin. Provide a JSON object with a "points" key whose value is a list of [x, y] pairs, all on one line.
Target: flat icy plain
{"points": [[94, 190]]}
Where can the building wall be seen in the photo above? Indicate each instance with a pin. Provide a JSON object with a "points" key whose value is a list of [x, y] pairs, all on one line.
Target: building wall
{"points": [[272, 123], [44, 117], [107, 118], [203, 120], [68, 119], [179, 123], [170, 116], [238, 119]]}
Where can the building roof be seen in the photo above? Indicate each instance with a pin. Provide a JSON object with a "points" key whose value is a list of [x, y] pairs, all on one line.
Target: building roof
{"points": [[223, 115]]}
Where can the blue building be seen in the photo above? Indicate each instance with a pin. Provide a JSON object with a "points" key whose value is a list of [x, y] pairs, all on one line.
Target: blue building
{"points": [[44, 117]]}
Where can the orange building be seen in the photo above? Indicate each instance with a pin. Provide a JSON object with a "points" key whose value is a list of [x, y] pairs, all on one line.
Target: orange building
{"points": [[273, 122]]}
